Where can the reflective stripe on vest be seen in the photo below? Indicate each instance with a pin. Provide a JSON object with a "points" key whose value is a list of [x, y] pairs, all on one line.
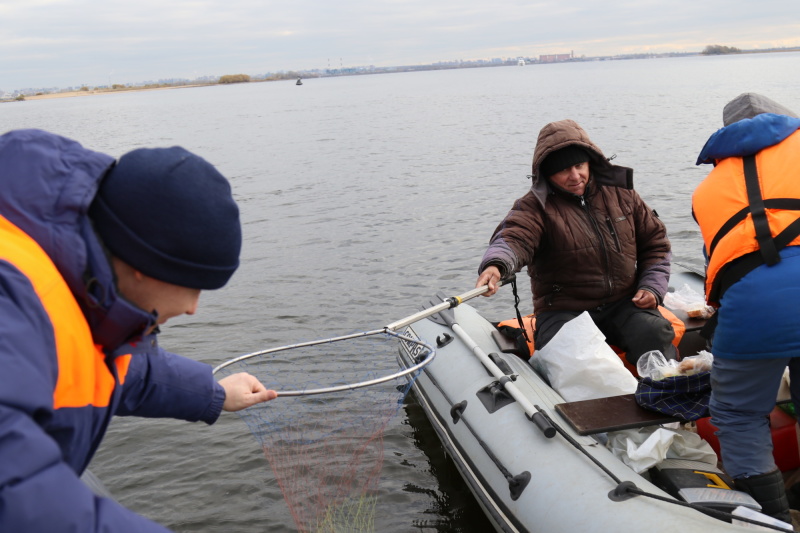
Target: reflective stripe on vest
{"points": [[83, 377], [723, 211]]}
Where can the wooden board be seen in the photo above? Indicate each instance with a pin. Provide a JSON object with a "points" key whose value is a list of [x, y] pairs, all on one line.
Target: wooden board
{"points": [[588, 417], [692, 324]]}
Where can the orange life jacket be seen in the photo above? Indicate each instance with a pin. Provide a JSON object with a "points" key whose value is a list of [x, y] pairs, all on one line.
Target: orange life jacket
{"points": [[84, 379], [530, 326], [736, 219]]}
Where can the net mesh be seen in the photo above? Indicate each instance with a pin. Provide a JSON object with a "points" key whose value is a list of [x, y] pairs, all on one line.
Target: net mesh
{"points": [[326, 449]]}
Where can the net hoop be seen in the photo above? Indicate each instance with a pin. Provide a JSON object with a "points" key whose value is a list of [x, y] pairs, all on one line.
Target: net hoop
{"points": [[431, 353]]}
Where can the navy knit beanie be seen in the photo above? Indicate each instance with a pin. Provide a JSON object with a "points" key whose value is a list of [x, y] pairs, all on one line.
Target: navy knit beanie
{"points": [[564, 158], [170, 214]]}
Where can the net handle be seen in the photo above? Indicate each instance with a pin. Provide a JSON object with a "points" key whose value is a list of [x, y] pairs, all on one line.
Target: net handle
{"points": [[350, 386], [449, 303]]}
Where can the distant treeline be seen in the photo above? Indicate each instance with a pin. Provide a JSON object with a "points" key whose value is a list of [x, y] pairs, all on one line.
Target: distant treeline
{"points": [[291, 75], [716, 50], [234, 78]]}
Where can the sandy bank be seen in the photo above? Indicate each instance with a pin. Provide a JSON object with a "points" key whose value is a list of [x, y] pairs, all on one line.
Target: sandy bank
{"points": [[71, 94]]}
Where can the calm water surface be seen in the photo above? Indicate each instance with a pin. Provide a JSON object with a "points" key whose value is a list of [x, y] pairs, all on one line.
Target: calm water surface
{"points": [[360, 198]]}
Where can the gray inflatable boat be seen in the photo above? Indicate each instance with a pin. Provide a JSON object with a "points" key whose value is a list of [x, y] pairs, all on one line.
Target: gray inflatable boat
{"points": [[537, 463]]}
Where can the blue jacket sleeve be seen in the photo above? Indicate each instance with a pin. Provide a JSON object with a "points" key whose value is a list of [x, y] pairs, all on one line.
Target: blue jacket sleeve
{"points": [[160, 384], [39, 492]]}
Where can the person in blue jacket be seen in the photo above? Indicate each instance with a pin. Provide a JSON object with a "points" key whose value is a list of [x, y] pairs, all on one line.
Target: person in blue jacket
{"points": [[94, 255], [748, 210]]}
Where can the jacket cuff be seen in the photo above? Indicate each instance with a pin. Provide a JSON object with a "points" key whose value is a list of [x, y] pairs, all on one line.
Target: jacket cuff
{"points": [[214, 409], [501, 266], [659, 297]]}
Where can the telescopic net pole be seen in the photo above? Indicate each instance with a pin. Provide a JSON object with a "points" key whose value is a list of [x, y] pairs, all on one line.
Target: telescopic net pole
{"points": [[323, 435]]}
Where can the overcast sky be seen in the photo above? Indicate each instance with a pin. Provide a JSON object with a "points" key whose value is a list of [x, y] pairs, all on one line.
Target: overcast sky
{"points": [[61, 43]]}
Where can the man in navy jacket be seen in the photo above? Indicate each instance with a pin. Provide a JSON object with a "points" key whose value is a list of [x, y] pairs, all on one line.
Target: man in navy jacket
{"points": [[94, 255]]}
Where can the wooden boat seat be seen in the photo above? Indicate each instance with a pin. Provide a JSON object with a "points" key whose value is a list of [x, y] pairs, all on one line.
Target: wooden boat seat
{"points": [[614, 413]]}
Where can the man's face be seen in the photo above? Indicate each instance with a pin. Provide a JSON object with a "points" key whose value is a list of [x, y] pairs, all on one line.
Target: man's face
{"points": [[572, 179], [151, 294]]}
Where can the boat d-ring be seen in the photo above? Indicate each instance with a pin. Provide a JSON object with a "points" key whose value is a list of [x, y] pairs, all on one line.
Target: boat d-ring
{"points": [[443, 340], [623, 491]]}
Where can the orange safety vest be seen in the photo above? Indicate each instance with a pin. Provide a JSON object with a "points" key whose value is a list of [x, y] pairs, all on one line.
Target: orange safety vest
{"points": [[84, 379], [740, 216]]}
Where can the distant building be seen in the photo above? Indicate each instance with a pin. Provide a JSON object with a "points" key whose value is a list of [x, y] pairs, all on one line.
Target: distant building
{"points": [[554, 58]]}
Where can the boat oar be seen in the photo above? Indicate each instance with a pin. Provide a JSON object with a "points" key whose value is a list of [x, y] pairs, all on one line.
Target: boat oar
{"points": [[531, 411]]}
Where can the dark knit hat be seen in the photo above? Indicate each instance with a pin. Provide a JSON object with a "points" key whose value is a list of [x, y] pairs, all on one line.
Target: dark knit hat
{"points": [[170, 214], [563, 158]]}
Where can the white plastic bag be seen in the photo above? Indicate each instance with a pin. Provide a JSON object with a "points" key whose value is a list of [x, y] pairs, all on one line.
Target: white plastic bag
{"points": [[644, 448], [580, 365], [746, 512], [655, 366], [784, 393], [690, 301]]}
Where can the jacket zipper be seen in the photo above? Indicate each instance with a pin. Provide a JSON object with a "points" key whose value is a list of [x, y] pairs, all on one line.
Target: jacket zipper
{"points": [[550, 297], [608, 280], [614, 234]]}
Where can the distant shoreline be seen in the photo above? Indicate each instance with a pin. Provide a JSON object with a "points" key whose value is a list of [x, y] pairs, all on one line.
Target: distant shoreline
{"points": [[96, 91], [92, 92]]}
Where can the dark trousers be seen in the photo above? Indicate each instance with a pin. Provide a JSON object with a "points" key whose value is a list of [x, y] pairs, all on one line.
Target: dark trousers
{"points": [[633, 330]]}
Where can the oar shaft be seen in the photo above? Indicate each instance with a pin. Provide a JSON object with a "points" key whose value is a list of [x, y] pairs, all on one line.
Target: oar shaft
{"points": [[493, 369], [531, 411]]}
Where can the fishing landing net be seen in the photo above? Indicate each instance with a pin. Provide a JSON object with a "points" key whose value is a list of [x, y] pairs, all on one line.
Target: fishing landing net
{"points": [[323, 435]]}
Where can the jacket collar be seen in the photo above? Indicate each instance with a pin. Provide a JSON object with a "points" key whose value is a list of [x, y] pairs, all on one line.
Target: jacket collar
{"points": [[47, 184], [747, 137], [112, 319]]}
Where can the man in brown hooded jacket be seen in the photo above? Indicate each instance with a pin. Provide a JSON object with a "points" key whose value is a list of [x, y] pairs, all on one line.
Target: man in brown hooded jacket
{"points": [[590, 244]]}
